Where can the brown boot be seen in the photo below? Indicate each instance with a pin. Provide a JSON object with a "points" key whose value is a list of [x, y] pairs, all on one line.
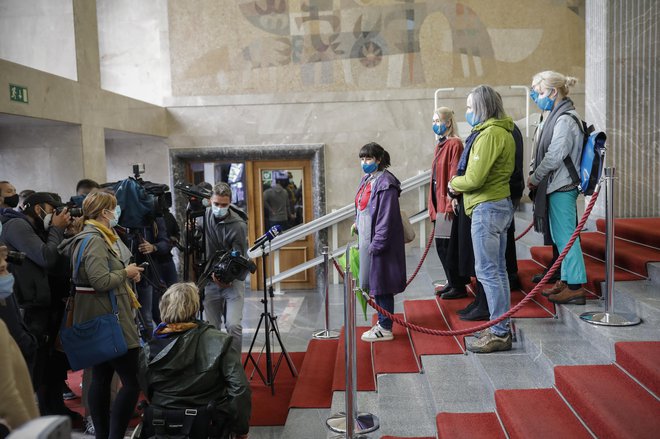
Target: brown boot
{"points": [[558, 286], [576, 297]]}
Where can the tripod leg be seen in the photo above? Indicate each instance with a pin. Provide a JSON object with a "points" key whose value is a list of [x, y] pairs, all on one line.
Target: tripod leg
{"points": [[249, 356], [289, 361]]}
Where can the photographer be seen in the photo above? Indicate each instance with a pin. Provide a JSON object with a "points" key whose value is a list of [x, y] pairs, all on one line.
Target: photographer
{"points": [[226, 230], [37, 231]]}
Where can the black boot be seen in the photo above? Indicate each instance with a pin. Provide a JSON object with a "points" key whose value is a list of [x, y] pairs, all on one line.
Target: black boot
{"points": [[454, 293]]}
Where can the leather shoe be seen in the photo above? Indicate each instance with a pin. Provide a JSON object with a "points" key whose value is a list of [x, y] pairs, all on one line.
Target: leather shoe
{"points": [[454, 294], [556, 288], [467, 309], [539, 276], [439, 291], [575, 297], [476, 314]]}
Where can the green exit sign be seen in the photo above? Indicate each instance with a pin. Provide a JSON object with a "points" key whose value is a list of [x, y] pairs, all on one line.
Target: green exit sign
{"points": [[18, 93]]}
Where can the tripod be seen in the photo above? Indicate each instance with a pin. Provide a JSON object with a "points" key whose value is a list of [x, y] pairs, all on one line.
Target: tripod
{"points": [[270, 325]]}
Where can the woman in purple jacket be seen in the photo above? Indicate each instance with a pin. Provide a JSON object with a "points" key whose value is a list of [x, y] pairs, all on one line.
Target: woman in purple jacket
{"points": [[380, 236]]}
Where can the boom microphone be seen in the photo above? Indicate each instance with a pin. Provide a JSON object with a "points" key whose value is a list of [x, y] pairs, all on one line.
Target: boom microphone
{"points": [[268, 236]]}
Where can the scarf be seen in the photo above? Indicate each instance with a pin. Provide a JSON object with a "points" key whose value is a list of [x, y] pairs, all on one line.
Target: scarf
{"points": [[544, 140], [463, 162], [164, 330], [110, 238]]}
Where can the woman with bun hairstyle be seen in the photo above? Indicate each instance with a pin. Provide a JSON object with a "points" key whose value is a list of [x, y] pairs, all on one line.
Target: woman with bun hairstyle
{"points": [[441, 206], [380, 236], [558, 137]]}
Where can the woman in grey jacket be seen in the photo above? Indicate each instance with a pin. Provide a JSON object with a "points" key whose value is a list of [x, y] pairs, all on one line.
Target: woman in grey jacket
{"points": [[102, 270], [558, 136]]}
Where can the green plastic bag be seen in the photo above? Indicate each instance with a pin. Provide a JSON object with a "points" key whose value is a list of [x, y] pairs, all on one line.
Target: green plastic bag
{"points": [[355, 271]]}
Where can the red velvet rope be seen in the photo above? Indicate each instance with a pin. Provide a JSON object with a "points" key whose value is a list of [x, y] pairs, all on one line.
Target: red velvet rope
{"points": [[529, 227], [513, 310]]}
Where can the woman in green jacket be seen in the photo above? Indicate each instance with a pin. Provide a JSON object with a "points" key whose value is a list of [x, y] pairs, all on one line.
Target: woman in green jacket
{"points": [[483, 178], [102, 269]]}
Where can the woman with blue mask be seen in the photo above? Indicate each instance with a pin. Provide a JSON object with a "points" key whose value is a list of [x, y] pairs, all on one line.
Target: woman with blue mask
{"points": [[99, 270], [380, 236], [558, 138], [441, 206], [483, 175]]}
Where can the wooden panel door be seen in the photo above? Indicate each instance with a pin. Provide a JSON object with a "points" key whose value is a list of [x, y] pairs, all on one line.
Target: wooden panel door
{"points": [[298, 174]]}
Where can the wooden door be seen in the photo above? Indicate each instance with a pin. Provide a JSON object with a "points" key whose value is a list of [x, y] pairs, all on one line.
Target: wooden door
{"points": [[263, 175]]}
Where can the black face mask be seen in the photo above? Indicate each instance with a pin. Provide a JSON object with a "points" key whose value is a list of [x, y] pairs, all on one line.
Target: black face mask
{"points": [[12, 201]]}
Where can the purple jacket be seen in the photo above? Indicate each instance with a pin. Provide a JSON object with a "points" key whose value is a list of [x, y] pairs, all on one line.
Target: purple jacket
{"points": [[388, 255]]}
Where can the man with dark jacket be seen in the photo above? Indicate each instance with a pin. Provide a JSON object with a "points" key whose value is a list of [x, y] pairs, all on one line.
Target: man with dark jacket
{"points": [[37, 231], [226, 230]]}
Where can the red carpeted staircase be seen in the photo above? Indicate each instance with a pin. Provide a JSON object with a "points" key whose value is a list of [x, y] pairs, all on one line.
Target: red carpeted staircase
{"points": [[603, 399]]}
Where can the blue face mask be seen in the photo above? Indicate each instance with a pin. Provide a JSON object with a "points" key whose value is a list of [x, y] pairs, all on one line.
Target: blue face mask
{"points": [[219, 212], [368, 168], [6, 285], [439, 128], [533, 95], [469, 117], [546, 103], [112, 222]]}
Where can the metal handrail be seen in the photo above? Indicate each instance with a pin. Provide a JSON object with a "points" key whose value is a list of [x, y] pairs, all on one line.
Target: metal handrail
{"points": [[333, 218]]}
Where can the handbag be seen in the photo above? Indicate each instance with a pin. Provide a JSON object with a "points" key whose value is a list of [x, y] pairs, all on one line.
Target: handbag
{"points": [[96, 340]]}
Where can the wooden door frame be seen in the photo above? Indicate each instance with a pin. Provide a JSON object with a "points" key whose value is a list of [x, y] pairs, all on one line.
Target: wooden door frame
{"points": [[315, 153]]}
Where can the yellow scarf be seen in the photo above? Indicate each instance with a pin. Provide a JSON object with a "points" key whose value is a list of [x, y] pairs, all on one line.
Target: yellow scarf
{"points": [[110, 238]]}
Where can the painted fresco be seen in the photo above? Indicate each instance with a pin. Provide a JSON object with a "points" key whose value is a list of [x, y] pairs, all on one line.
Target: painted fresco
{"points": [[270, 46]]}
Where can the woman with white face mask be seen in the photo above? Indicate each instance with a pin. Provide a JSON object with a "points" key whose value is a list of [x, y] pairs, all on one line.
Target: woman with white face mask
{"points": [[558, 138]]}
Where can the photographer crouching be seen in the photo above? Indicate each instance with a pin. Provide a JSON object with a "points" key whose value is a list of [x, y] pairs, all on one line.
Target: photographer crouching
{"points": [[226, 231]]}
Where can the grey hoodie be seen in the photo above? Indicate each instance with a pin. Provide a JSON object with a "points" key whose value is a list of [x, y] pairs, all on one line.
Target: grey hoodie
{"points": [[228, 234]]}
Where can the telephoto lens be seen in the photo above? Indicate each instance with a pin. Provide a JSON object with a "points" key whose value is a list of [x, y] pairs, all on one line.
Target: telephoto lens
{"points": [[15, 258], [75, 212]]}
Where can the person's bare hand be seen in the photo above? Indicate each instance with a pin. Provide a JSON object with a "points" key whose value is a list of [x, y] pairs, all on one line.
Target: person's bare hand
{"points": [[62, 219], [146, 247], [133, 272], [3, 260]]}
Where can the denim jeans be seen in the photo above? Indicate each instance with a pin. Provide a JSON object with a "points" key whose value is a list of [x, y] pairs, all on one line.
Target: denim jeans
{"points": [[490, 221], [226, 304], [385, 301]]}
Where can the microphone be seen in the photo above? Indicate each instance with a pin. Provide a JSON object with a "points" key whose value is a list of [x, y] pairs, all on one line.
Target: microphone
{"points": [[268, 236]]}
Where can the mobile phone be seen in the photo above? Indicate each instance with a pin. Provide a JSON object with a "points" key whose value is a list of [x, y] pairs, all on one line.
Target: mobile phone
{"points": [[144, 265]]}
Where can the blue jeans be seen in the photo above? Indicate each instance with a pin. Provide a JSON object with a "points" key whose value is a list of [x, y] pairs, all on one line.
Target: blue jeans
{"points": [[490, 221], [385, 301], [226, 304], [563, 221]]}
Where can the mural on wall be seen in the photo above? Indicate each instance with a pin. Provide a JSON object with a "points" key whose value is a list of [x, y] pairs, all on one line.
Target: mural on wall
{"points": [[284, 45]]}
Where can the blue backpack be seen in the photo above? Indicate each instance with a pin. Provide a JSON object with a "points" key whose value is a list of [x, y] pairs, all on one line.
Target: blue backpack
{"points": [[593, 158]]}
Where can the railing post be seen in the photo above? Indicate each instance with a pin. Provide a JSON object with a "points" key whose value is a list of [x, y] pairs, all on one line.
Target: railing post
{"points": [[276, 271], [422, 224], [335, 244], [608, 317], [345, 422], [326, 333]]}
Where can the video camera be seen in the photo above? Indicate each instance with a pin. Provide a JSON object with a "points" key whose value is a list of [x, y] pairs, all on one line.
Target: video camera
{"points": [[15, 258], [232, 266]]}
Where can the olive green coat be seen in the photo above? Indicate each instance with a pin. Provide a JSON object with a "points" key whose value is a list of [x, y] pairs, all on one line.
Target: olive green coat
{"points": [[101, 269]]}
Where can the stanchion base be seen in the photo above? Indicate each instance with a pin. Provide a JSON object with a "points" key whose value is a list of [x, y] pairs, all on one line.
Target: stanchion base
{"points": [[325, 334], [364, 423], [610, 319]]}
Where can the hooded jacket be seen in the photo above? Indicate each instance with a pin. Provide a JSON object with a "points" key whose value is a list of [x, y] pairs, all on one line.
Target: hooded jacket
{"points": [[102, 269], [192, 368], [225, 235], [490, 165]]}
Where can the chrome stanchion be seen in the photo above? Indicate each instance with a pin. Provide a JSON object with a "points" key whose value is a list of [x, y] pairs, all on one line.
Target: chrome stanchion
{"points": [[350, 422], [608, 317], [325, 334]]}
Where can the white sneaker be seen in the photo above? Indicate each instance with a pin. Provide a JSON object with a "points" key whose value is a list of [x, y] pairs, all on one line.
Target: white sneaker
{"points": [[377, 334]]}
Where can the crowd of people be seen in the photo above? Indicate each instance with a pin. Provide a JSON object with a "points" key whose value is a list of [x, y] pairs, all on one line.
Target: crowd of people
{"points": [[475, 187], [85, 265], [73, 261]]}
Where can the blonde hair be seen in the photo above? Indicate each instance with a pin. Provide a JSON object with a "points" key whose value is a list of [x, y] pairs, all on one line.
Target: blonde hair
{"points": [[180, 303], [92, 207], [447, 114], [551, 79]]}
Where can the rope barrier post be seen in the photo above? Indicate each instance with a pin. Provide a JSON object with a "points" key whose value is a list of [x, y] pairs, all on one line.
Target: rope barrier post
{"points": [[350, 422], [608, 317], [326, 334]]}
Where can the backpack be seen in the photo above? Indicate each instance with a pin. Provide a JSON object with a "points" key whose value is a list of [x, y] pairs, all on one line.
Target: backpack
{"points": [[592, 160]]}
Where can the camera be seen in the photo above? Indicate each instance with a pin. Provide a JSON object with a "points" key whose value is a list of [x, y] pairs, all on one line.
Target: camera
{"points": [[15, 258], [140, 201], [232, 266], [74, 211]]}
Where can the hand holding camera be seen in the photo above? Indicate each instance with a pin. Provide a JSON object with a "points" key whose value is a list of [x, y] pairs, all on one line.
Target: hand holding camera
{"points": [[61, 218]]}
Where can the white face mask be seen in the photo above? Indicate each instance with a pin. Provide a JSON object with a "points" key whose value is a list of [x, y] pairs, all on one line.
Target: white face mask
{"points": [[47, 218]]}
